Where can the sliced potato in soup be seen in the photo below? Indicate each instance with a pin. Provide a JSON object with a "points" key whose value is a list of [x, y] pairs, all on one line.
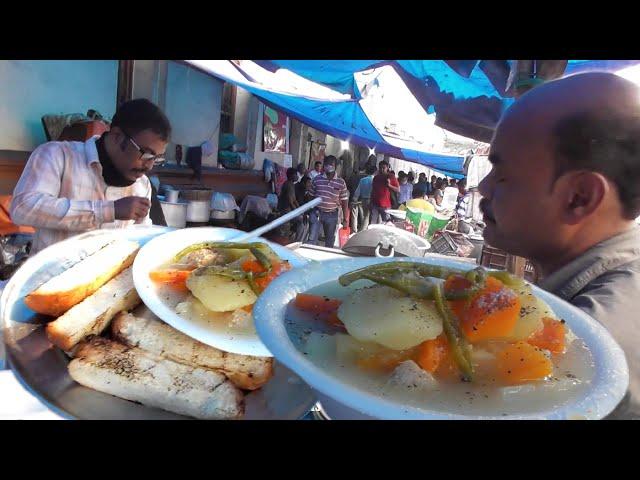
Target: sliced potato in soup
{"points": [[221, 294], [390, 318]]}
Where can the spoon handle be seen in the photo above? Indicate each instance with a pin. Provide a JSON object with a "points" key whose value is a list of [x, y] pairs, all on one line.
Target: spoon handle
{"points": [[277, 222]]}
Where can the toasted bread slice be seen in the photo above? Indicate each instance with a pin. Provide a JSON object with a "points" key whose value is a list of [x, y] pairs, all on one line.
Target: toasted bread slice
{"points": [[133, 374], [63, 291], [245, 371], [92, 315]]}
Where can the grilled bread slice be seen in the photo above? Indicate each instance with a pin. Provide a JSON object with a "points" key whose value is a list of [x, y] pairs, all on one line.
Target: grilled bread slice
{"points": [[94, 313], [63, 291], [246, 372], [133, 374]]}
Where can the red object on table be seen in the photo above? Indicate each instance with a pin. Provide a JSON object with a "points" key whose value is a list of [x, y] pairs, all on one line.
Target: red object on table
{"points": [[343, 235]]}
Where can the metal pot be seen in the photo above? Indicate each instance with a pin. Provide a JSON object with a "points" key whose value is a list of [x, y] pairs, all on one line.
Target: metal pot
{"points": [[386, 241], [220, 215], [175, 214], [198, 210]]}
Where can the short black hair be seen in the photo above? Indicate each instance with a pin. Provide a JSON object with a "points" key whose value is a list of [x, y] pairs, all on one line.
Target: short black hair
{"points": [[300, 165], [134, 116], [383, 163], [292, 173], [607, 142], [401, 174], [462, 182], [330, 158], [317, 163]]}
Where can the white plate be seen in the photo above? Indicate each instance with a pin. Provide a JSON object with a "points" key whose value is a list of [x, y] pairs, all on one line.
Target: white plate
{"points": [[160, 250], [609, 384]]}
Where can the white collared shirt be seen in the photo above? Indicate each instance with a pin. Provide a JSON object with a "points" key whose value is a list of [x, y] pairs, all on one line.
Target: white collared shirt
{"points": [[62, 193]]}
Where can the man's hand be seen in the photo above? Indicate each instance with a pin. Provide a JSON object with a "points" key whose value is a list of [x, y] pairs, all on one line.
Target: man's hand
{"points": [[131, 208]]}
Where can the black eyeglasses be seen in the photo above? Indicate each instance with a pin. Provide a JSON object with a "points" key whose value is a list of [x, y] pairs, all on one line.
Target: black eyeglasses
{"points": [[146, 156]]}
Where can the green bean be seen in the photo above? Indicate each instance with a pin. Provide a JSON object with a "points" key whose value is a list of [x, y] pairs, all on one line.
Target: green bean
{"points": [[223, 245], [398, 267], [459, 347], [398, 275], [220, 270], [252, 283], [508, 279], [422, 290], [262, 258]]}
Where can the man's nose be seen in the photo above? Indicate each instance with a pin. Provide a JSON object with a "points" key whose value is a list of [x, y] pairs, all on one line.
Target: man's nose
{"points": [[485, 187]]}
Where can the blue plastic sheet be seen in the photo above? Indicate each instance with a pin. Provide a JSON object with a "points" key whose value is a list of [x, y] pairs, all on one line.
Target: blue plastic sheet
{"points": [[466, 96]]}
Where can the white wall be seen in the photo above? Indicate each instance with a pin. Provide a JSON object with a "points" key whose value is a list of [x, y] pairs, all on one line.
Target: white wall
{"points": [[191, 100], [30, 89], [193, 103]]}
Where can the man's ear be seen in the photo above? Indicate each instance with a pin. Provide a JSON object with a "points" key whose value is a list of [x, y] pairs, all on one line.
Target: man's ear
{"points": [[584, 193], [118, 137]]}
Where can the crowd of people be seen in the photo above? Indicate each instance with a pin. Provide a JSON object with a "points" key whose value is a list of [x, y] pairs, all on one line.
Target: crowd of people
{"points": [[363, 198]]}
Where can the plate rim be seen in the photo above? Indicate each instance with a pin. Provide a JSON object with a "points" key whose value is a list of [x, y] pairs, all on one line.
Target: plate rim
{"points": [[269, 313]]}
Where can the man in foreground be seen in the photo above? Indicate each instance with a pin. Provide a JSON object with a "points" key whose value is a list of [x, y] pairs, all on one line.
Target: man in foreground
{"points": [[564, 192], [71, 187]]}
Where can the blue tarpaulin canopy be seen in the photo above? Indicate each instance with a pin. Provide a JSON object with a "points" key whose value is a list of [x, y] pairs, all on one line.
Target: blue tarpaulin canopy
{"points": [[466, 97]]}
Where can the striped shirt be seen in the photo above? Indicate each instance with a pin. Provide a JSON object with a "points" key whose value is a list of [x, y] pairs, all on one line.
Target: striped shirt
{"points": [[332, 192], [61, 193]]}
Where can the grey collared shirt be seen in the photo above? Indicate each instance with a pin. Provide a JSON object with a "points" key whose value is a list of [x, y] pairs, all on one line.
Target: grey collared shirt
{"points": [[605, 283]]}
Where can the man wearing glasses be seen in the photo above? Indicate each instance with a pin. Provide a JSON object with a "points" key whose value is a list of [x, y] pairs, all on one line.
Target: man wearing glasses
{"points": [[71, 187]]}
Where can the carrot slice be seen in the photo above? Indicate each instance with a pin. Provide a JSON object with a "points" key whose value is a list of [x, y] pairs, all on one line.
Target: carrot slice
{"points": [[431, 353], [276, 270], [521, 362], [252, 265], [316, 303], [491, 314], [551, 337], [169, 275], [385, 361], [457, 283], [176, 279]]}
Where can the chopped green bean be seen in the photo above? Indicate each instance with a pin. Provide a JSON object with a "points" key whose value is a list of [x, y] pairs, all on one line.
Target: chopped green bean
{"points": [[508, 279], [262, 258], [252, 283], [459, 347]]}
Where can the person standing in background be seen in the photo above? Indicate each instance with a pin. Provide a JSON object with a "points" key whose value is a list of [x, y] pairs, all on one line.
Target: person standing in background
{"points": [[317, 170], [381, 187], [432, 185], [334, 194], [362, 195], [406, 189], [301, 171], [438, 192], [420, 189]]}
